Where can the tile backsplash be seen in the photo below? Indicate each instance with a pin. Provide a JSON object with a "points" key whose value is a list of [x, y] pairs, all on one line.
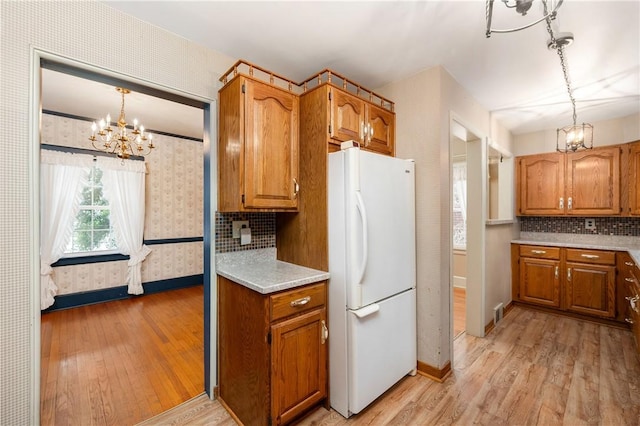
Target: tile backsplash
{"points": [[628, 226], [263, 231]]}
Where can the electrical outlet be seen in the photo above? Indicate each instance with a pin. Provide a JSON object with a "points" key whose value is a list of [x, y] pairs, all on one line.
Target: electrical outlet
{"points": [[590, 224], [236, 225]]}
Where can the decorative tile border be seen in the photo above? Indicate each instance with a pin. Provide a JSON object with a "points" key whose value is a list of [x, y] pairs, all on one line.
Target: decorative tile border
{"points": [[627, 226], [263, 231]]}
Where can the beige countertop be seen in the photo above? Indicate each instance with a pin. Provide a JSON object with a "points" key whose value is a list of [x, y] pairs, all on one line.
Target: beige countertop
{"points": [[259, 270], [595, 242]]}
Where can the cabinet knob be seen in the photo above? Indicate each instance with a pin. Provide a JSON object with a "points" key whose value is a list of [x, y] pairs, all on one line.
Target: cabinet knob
{"points": [[300, 302]]}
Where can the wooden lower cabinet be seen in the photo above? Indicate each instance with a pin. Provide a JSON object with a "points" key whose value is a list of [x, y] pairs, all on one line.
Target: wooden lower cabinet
{"points": [[573, 280], [273, 352]]}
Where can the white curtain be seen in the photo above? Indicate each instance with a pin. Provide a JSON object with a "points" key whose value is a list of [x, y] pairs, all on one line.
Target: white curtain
{"points": [[460, 187], [123, 183], [62, 176]]}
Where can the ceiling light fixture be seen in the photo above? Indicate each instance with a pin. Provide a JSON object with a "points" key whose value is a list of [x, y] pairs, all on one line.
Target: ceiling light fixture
{"points": [[522, 7], [575, 136], [122, 143]]}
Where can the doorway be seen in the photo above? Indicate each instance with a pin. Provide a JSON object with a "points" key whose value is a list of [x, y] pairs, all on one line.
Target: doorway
{"points": [[206, 124], [467, 229]]}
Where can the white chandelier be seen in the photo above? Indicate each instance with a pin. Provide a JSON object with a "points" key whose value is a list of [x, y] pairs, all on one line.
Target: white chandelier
{"points": [[121, 143]]}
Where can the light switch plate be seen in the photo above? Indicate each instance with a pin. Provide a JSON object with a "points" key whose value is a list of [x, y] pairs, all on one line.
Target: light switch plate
{"points": [[236, 225], [590, 224]]}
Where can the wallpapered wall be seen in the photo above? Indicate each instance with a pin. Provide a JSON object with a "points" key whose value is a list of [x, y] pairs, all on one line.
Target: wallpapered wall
{"points": [[623, 226], [174, 209]]}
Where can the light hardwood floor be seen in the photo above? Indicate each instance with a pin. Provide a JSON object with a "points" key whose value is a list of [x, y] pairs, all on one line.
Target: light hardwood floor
{"points": [[534, 368], [121, 362], [459, 311]]}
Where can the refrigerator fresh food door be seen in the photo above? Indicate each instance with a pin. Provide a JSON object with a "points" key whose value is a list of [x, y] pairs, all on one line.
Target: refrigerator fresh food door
{"points": [[380, 226], [382, 347]]}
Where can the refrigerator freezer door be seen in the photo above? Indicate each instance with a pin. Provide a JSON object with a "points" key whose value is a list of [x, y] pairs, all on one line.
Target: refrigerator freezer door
{"points": [[386, 195], [382, 349]]}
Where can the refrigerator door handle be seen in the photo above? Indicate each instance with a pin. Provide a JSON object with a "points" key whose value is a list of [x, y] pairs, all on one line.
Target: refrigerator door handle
{"points": [[366, 311], [365, 237]]}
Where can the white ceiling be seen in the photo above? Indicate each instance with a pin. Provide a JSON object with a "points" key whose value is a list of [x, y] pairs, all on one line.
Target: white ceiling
{"points": [[374, 43]]}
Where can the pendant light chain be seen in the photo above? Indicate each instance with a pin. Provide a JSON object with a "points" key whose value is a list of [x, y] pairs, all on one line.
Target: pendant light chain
{"points": [[560, 50]]}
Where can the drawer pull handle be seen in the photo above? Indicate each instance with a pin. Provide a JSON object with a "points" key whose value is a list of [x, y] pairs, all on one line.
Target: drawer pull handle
{"points": [[556, 272], [629, 263], [630, 280], [629, 320], [539, 251], [590, 256], [633, 299], [300, 302], [296, 187], [568, 274], [324, 335]]}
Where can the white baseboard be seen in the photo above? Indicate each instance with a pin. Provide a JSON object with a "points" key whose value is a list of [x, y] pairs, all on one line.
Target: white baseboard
{"points": [[460, 282]]}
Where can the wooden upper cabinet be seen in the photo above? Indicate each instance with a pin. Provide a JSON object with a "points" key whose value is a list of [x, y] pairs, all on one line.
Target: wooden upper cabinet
{"points": [[593, 182], [347, 116], [353, 118], [382, 130], [541, 184], [258, 147], [634, 179], [585, 183]]}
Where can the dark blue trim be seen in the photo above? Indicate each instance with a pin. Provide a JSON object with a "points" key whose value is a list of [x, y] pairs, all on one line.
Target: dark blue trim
{"points": [[85, 151], [173, 240], [207, 149], [89, 119], [82, 260], [75, 300]]}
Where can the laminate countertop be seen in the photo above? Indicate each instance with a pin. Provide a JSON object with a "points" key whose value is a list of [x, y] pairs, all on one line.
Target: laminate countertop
{"points": [[260, 271], [594, 242]]}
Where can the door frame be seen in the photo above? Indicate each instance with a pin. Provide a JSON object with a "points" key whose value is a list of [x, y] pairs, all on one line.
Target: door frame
{"points": [[210, 206]]}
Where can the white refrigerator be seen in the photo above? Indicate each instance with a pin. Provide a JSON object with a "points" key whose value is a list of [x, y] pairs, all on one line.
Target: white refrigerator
{"points": [[372, 289]]}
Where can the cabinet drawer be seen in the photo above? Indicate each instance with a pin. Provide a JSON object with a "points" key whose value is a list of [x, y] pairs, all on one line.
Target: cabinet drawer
{"points": [[540, 252], [591, 256], [297, 300]]}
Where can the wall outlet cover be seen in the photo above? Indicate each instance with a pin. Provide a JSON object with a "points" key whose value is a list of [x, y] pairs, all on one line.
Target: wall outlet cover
{"points": [[236, 225], [590, 224]]}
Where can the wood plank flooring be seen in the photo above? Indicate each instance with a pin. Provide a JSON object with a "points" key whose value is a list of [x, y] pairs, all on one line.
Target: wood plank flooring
{"points": [[118, 363], [459, 310], [534, 368]]}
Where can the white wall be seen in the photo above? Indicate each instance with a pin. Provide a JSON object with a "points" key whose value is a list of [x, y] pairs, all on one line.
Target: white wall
{"points": [[93, 33], [607, 132], [423, 105]]}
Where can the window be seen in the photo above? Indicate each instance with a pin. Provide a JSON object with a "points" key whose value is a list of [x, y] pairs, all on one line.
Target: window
{"points": [[460, 205], [92, 230]]}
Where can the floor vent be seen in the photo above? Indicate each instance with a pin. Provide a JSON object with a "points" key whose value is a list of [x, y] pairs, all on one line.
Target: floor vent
{"points": [[498, 312]]}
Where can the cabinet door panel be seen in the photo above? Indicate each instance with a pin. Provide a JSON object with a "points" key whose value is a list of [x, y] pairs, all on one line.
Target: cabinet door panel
{"points": [[590, 289], [634, 179], [271, 147], [541, 185], [593, 182], [299, 365], [540, 281], [382, 124], [347, 116]]}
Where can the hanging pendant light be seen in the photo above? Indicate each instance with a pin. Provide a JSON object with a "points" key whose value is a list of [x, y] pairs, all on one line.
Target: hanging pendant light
{"points": [[522, 7]]}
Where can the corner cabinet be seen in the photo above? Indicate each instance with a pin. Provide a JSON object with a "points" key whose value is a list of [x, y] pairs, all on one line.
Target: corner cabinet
{"points": [[585, 183], [353, 118], [273, 352], [258, 147]]}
